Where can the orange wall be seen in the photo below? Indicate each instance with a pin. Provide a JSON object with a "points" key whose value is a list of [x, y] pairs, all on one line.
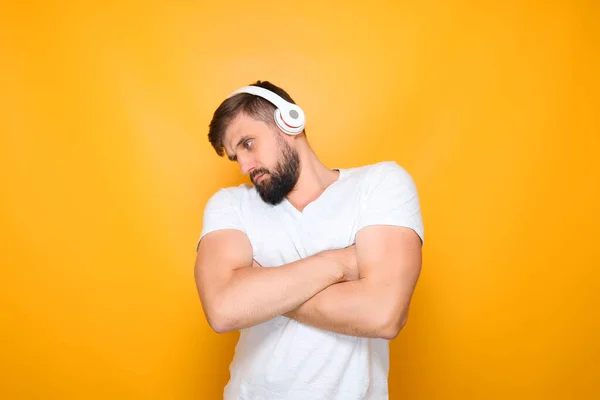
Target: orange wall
{"points": [[106, 168]]}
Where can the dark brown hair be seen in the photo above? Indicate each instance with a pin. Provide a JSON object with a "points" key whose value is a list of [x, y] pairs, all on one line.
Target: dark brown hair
{"points": [[251, 105]]}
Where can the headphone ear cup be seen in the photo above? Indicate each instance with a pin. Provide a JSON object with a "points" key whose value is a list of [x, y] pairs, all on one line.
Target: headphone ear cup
{"points": [[280, 121], [296, 128]]}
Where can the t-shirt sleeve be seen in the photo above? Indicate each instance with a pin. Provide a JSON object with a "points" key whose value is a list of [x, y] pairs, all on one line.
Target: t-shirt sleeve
{"points": [[220, 213], [392, 199]]}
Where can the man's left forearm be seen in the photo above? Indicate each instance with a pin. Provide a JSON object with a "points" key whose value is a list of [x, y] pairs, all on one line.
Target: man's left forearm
{"points": [[356, 308], [376, 305]]}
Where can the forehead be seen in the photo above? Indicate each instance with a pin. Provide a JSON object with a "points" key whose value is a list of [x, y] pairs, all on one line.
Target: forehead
{"points": [[242, 128]]}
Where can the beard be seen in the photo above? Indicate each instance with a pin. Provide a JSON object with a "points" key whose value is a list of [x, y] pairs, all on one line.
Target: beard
{"points": [[280, 180]]}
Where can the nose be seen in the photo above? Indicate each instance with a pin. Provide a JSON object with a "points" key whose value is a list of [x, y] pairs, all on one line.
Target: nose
{"points": [[246, 164]]}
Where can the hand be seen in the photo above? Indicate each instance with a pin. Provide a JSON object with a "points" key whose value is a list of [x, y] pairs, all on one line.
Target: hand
{"points": [[347, 261]]}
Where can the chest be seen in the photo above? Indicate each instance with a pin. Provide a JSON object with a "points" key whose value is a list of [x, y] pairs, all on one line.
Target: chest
{"points": [[282, 234]]}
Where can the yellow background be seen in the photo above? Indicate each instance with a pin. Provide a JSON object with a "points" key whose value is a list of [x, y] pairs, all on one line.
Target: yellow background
{"points": [[106, 167]]}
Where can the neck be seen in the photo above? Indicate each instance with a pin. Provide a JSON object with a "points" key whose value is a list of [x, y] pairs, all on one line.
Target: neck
{"points": [[313, 180]]}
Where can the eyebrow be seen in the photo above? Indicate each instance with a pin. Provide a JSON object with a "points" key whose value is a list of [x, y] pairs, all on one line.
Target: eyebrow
{"points": [[242, 140]]}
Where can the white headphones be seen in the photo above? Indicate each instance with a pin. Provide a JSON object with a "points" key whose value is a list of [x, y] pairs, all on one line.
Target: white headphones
{"points": [[288, 116]]}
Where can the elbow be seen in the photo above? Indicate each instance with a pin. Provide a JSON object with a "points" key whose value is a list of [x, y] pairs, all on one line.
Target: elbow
{"points": [[219, 325], [219, 320], [392, 325]]}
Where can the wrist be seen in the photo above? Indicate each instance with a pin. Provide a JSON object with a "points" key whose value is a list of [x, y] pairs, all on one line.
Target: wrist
{"points": [[334, 264], [338, 266], [290, 314]]}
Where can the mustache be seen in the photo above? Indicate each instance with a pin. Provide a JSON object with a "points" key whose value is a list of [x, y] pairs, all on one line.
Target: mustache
{"points": [[258, 172]]}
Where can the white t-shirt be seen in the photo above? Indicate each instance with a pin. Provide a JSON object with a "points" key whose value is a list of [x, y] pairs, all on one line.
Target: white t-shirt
{"points": [[286, 359]]}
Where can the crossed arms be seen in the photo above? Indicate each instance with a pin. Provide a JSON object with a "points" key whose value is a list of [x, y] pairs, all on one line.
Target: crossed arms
{"points": [[363, 290]]}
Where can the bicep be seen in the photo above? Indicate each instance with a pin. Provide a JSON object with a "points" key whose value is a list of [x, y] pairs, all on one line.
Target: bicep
{"points": [[389, 257], [390, 236], [220, 253]]}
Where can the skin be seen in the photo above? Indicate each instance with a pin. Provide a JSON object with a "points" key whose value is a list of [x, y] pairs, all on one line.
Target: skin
{"points": [[257, 146], [325, 290]]}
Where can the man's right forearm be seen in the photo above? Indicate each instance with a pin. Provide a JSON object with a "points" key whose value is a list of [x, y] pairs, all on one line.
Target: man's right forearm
{"points": [[255, 295]]}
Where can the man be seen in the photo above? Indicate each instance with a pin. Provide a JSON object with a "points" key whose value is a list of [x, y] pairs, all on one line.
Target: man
{"points": [[315, 266]]}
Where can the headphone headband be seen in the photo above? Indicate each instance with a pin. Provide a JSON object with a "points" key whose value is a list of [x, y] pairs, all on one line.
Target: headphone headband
{"points": [[288, 116]]}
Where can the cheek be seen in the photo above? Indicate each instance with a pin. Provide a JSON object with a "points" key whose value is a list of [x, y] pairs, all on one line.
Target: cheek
{"points": [[268, 159]]}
